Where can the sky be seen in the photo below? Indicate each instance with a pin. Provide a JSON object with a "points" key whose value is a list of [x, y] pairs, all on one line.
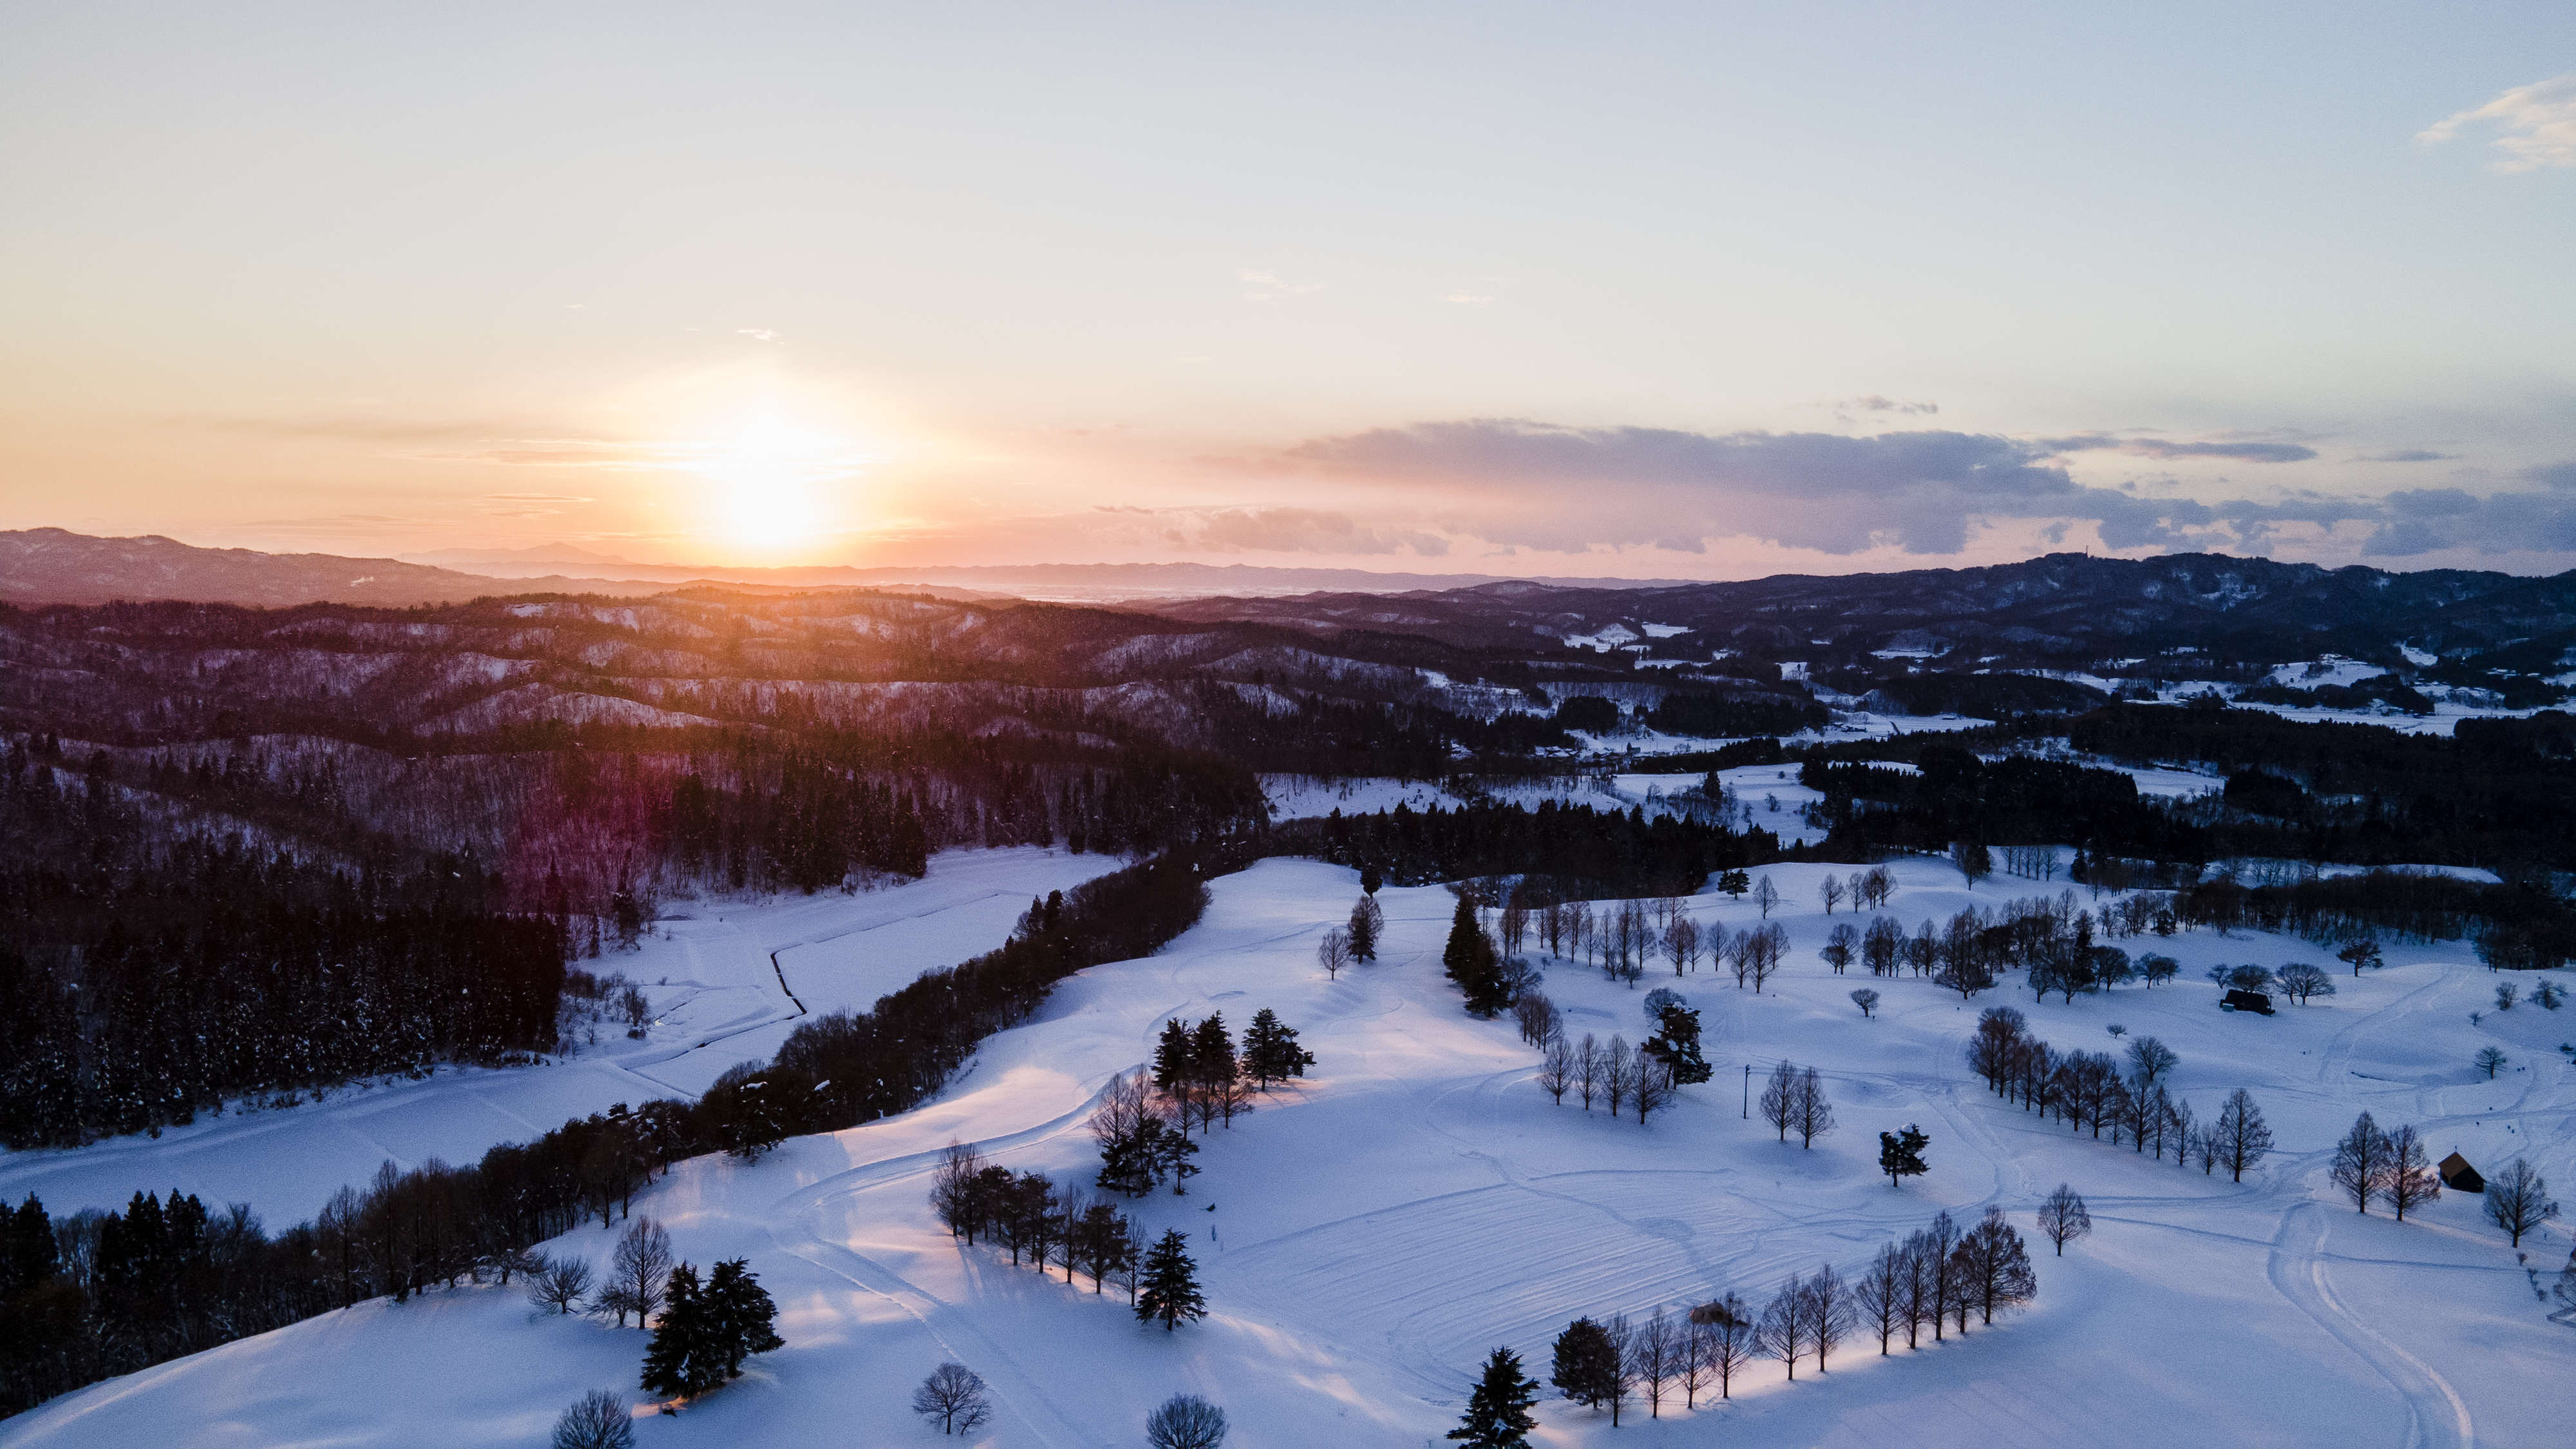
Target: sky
{"points": [[1634, 290]]}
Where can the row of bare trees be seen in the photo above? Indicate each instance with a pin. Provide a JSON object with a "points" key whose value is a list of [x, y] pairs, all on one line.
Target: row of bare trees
{"points": [[1794, 1100], [1938, 1278], [2092, 1090], [1617, 1074], [1036, 1219]]}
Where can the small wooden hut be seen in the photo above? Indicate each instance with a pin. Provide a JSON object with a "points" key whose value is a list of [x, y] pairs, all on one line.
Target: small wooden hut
{"points": [[2458, 1176]]}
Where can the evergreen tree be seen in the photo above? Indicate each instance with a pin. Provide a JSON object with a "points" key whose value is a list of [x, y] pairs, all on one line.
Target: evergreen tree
{"points": [[1172, 1056], [1171, 1288], [741, 1319], [1472, 964], [1735, 883], [1271, 1052], [1212, 1059], [1368, 923], [1900, 1154], [678, 1363], [1498, 1412], [1676, 1044], [1586, 1367]]}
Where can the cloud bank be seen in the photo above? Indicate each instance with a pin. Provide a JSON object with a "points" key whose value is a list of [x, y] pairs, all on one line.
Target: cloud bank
{"points": [[1518, 483]]}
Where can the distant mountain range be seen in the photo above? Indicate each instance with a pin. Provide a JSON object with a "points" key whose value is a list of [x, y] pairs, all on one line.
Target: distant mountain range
{"points": [[54, 566], [2057, 608]]}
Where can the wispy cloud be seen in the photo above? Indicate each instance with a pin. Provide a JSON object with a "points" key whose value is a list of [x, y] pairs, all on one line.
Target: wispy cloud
{"points": [[1271, 287], [2242, 451], [1877, 404], [2531, 126], [756, 334], [2408, 455]]}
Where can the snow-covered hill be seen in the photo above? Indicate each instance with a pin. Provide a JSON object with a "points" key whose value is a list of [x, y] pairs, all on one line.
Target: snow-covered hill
{"points": [[1372, 1231]]}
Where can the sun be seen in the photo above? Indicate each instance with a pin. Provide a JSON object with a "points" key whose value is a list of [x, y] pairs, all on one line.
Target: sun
{"points": [[771, 483]]}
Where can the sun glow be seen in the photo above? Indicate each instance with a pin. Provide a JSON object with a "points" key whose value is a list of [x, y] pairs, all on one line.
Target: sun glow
{"points": [[773, 484]]}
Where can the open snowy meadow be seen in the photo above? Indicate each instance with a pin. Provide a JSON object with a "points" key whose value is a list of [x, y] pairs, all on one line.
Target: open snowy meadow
{"points": [[1416, 1200]]}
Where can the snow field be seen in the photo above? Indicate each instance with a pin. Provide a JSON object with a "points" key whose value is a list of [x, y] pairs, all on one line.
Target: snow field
{"points": [[1418, 1200], [718, 1002]]}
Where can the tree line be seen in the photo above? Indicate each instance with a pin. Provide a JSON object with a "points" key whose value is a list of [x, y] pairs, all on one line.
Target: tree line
{"points": [[1938, 1278], [406, 1232], [150, 975]]}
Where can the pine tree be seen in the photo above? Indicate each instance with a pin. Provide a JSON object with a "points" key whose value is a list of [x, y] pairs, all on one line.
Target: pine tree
{"points": [[1172, 1056], [678, 1364], [1368, 923], [1271, 1052], [1900, 1154], [1212, 1059], [1586, 1367], [1498, 1412], [1676, 1045], [1471, 963], [1171, 1288], [741, 1318]]}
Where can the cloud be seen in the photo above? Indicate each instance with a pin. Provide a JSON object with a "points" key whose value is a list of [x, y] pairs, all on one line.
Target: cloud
{"points": [[2533, 126], [1571, 488], [2408, 455], [2159, 448], [1520, 484], [1270, 286], [756, 334], [1302, 530], [1876, 404], [1469, 299]]}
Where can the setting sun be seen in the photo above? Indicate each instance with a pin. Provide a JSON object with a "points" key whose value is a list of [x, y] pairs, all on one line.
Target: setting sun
{"points": [[771, 483]]}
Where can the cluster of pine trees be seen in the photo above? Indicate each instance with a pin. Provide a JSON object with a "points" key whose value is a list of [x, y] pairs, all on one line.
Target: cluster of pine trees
{"points": [[1937, 1278]]}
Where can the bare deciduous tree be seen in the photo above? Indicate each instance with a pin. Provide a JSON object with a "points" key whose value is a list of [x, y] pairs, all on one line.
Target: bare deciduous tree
{"points": [[597, 1420], [1828, 1312], [2361, 1159], [1813, 1114], [2063, 1217], [1878, 1294], [1619, 1073], [1779, 1101], [2411, 1181], [2518, 1200], [1726, 1339], [1556, 1067], [954, 1395], [1866, 1000], [1766, 896], [1185, 1421], [2243, 1138], [1333, 952], [1782, 1329], [640, 1266], [1587, 1070], [1657, 1344], [560, 1284]]}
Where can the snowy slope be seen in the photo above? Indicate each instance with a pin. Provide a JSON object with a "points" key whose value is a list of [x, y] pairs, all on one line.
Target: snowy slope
{"points": [[717, 999], [1371, 1232]]}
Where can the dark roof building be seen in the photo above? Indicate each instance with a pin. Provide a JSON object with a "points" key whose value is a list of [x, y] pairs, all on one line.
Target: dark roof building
{"points": [[2458, 1176]]}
